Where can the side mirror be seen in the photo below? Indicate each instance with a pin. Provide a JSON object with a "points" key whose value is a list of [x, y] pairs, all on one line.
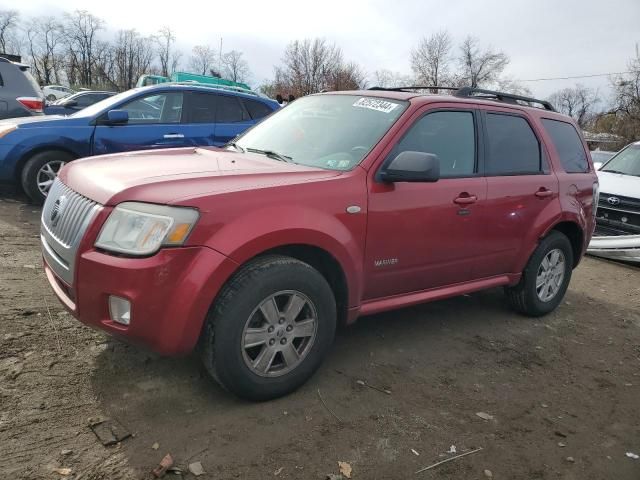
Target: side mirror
{"points": [[117, 117], [412, 167], [597, 165]]}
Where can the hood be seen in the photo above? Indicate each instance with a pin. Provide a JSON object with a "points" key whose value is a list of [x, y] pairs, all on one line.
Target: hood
{"points": [[619, 184], [35, 121], [177, 175]]}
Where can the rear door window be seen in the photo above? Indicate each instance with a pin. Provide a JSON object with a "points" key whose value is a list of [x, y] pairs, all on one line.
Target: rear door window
{"points": [[568, 145], [257, 110], [202, 108], [229, 110], [512, 147]]}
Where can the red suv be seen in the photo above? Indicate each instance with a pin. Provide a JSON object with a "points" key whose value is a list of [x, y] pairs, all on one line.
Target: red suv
{"points": [[339, 205]]}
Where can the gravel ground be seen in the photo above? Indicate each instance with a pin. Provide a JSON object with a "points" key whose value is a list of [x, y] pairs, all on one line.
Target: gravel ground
{"points": [[561, 393]]}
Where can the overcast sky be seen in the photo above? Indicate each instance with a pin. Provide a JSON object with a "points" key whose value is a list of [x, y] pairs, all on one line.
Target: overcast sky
{"points": [[543, 38]]}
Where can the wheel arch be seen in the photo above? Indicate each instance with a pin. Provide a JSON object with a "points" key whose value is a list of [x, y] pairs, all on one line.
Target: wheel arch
{"points": [[575, 234], [35, 151]]}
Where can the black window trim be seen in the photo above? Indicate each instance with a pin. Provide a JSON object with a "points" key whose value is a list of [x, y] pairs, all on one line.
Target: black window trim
{"points": [[478, 144], [587, 153], [544, 155]]}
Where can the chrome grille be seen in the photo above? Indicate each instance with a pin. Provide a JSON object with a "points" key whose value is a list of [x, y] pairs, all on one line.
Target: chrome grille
{"points": [[65, 212], [66, 215]]}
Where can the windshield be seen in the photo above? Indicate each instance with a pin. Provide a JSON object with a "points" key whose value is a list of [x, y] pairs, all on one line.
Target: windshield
{"points": [[98, 107], [328, 131], [626, 162]]}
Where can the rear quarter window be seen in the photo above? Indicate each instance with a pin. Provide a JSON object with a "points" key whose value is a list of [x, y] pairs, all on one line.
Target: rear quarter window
{"points": [[257, 110], [568, 145]]}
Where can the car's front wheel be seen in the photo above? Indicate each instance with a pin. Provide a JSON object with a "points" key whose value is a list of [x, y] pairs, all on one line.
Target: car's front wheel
{"points": [[546, 277], [270, 328], [40, 171]]}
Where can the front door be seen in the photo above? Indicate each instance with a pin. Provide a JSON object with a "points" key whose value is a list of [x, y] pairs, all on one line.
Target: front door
{"points": [[154, 122], [423, 235]]}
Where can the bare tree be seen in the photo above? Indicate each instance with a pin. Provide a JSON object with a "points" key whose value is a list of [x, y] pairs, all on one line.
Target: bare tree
{"points": [[624, 118], [8, 27], [431, 59], [509, 85], [202, 59], [133, 55], [44, 37], [479, 67], [81, 29], [578, 102], [388, 79], [346, 77], [307, 64], [169, 57], [235, 67]]}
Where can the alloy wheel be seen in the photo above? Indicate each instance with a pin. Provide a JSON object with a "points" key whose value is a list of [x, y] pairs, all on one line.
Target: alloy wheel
{"points": [[279, 333]]}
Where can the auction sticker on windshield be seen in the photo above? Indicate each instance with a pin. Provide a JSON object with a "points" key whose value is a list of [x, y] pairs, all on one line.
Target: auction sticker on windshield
{"points": [[376, 104]]}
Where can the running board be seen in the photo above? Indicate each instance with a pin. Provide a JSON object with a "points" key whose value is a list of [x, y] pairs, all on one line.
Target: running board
{"points": [[399, 301]]}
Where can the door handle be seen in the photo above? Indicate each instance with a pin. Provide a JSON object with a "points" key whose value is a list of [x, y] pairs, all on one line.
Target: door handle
{"points": [[544, 193], [465, 199], [173, 135]]}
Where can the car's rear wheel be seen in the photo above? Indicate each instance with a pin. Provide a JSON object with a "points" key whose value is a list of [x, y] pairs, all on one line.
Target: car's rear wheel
{"points": [[40, 171], [546, 277], [270, 328]]}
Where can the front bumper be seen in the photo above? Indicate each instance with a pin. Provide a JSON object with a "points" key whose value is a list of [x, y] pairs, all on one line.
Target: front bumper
{"points": [[616, 247], [170, 294]]}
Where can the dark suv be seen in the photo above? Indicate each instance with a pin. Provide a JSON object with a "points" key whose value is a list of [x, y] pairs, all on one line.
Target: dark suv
{"points": [[20, 95], [339, 205]]}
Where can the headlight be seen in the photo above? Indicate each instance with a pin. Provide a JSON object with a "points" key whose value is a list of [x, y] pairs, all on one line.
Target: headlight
{"points": [[142, 228]]}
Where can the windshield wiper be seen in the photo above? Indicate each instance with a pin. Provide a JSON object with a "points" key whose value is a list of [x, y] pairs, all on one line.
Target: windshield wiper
{"points": [[614, 171], [272, 154], [235, 145]]}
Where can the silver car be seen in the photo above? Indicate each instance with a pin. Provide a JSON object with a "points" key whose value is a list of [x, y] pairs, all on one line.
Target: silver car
{"points": [[20, 95]]}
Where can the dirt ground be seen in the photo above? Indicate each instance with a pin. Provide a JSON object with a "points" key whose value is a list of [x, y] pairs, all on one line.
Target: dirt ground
{"points": [[563, 391]]}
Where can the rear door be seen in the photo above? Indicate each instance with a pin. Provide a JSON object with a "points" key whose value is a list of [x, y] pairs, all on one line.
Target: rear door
{"points": [[522, 191], [154, 122], [200, 118], [231, 119]]}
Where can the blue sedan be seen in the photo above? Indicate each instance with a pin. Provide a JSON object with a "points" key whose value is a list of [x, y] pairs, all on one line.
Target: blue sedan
{"points": [[33, 149]]}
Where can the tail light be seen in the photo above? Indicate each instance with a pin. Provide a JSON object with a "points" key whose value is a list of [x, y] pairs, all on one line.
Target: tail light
{"points": [[34, 104]]}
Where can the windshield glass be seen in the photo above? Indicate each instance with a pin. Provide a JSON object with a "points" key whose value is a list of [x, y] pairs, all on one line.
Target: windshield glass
{"points": [[626, 162], [328, 131], [97, 107]]}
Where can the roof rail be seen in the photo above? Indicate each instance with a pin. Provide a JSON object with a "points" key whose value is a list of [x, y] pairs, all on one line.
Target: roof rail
{"points": [[213, 86], [413, 87], [469, 92]]}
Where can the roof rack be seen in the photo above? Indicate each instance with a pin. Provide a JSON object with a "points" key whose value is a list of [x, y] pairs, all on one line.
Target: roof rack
{"points": [[413, 87], [469, 92]]}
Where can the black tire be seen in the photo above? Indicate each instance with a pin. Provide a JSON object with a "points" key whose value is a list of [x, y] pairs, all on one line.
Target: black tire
{"points": [[524, 298], [222, 348], [32, 167], [51, 97]]}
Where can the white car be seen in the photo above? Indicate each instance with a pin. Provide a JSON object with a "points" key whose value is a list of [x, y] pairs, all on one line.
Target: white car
{"points": [[617, 234], [56, 92]]}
